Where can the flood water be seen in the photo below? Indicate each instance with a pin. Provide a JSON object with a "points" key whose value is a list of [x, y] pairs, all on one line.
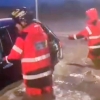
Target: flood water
{"points": [[71, 82]]}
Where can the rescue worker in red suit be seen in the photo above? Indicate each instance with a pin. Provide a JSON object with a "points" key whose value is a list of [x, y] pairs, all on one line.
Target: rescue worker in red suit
{"points": [[32, 48], [92, 34]]}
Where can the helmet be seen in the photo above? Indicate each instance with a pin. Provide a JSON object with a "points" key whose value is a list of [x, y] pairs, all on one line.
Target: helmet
{"points": [[22, 14], [92, 14]]}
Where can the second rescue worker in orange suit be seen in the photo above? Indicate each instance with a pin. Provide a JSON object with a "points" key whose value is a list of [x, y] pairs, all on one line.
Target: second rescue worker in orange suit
{"points": [[31, 47], [92, 34]]}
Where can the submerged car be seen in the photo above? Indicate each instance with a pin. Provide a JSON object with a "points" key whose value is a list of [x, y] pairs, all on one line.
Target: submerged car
{"points": [[12, 72]]}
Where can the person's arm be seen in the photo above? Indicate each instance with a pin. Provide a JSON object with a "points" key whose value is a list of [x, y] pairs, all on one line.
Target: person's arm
{"points": [[16, 51], [83, 34]]}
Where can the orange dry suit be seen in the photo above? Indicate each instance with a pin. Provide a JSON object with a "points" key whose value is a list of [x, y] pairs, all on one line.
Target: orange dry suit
{"points": [[31, 47]]}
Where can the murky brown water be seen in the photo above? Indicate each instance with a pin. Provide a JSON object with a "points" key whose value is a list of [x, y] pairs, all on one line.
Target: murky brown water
{"points": [[71, 82]]}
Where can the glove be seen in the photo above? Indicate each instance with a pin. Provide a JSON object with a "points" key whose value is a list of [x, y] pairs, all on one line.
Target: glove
{"points": [[6, 63], [70, 37]]}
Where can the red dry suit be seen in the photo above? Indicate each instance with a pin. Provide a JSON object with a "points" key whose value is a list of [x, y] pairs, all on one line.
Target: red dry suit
{"points": [[91, 33], [32, 48]]}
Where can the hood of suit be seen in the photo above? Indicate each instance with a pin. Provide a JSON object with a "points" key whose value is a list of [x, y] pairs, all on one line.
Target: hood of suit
{"points": [[92, 15]]}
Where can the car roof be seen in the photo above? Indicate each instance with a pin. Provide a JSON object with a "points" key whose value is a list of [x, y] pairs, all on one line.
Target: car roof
{"points": [[5, 22]]}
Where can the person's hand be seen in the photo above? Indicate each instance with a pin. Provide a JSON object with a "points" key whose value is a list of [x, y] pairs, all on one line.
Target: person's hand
{"points": [[70, 37], [5, 63]]}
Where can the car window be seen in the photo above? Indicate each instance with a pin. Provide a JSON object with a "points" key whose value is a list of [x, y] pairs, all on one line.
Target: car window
{"points": [[46, 30], [6, 41], [13, 33], [51, 35], [1, 50]]}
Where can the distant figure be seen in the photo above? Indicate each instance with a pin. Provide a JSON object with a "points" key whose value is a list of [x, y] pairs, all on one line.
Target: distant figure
{"points": [[92, 34]]}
